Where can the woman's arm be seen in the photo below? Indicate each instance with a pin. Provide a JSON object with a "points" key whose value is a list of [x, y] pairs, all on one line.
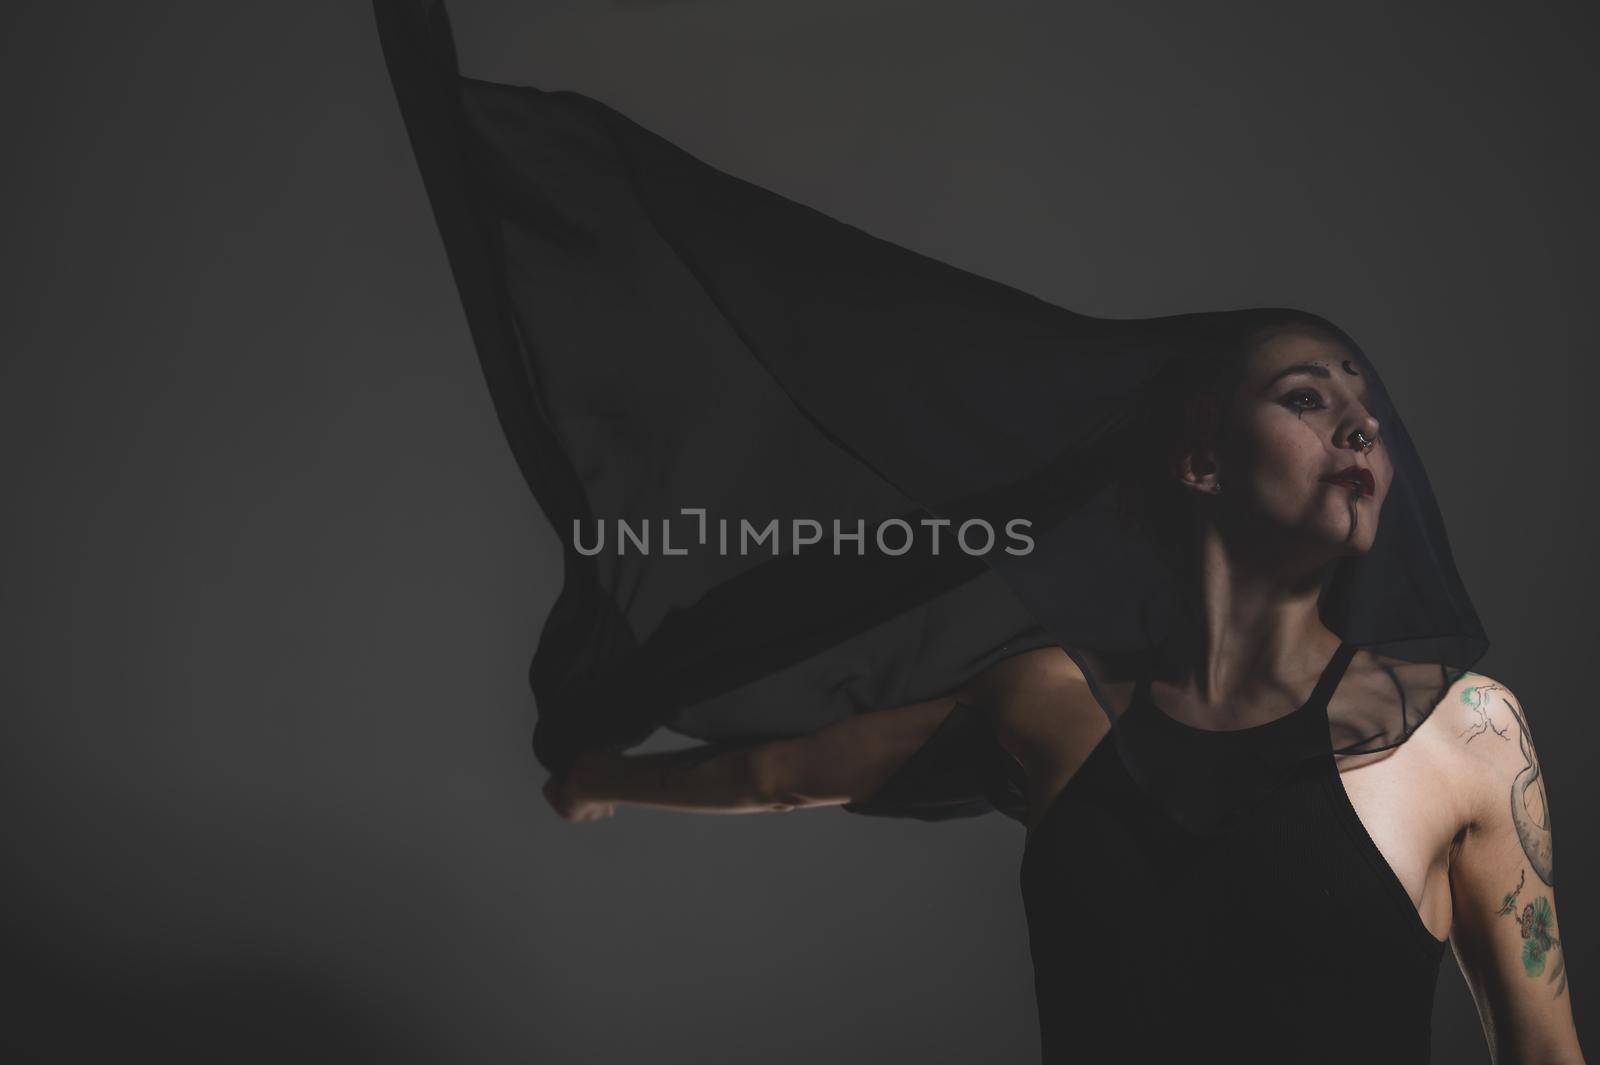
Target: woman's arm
{"points": [[843, 762], [1504, 929]]}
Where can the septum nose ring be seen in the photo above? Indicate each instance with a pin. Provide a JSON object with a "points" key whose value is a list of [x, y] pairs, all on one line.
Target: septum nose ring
{"points": [[1361, 440]]}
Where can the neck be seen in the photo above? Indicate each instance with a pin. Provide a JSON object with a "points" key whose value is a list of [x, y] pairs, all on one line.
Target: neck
{"points": [[1258, 625]]}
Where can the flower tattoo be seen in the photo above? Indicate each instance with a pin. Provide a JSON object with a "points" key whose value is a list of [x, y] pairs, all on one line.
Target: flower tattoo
{"points": [[1541, 949]]}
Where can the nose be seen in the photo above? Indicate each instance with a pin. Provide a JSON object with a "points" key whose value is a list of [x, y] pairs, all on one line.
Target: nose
{"points": [[1364, 434]]}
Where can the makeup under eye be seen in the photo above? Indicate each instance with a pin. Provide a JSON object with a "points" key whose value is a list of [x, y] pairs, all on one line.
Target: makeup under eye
{"points": [[1303, 399]]}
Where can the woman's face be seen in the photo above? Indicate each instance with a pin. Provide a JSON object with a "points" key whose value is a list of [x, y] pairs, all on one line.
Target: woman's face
{"points": [[1289, 458]]}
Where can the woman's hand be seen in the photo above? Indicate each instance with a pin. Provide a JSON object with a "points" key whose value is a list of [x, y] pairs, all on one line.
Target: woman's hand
{"points": [[569, 794]]}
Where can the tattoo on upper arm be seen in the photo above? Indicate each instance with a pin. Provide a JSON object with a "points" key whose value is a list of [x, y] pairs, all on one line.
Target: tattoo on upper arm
{"points": [[1533, 828], [1541, 949], [1531, 822], [1474, 696]]}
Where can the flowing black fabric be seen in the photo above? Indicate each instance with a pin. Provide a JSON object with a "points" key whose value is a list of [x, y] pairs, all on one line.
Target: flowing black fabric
{"points": [[660, 336]]}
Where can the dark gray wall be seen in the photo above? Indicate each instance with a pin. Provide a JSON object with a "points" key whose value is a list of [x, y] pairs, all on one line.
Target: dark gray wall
{"points": [[273, 581]]}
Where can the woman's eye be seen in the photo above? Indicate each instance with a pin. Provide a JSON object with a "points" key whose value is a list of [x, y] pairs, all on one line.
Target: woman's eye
{"points": [[1303, 399]]}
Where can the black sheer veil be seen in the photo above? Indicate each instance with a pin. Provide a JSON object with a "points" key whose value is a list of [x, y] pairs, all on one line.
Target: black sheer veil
{"points": [[682, 351]]}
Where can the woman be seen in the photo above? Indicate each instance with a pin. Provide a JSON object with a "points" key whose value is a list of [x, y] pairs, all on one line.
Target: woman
{"points": [[1312, 926], [1232, 706]]}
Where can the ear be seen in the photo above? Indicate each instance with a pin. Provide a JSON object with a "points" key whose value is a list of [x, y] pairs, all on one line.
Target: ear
{"points": [[1197, 464], [1197, 468]]}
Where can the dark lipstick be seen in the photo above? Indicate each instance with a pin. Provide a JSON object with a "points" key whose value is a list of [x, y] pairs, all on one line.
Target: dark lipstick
{"points": [[1356, 478]]}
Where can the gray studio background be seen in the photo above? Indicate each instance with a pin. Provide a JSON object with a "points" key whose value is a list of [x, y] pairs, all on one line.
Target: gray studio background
{"points": [[272, 579]]}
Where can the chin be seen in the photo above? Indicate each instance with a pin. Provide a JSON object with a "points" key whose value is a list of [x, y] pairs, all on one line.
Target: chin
{"points": [[1349, 531], [1343, 543], [1338, 541], [1356, 547]]}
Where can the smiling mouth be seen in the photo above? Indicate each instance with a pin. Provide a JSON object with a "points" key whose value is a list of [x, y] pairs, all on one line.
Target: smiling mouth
{"points": [[1355, 478]]}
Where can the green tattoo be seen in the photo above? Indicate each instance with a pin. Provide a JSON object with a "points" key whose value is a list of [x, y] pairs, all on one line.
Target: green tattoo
{"points": [[1509, 903], [1541, 949], [1473, 696]]}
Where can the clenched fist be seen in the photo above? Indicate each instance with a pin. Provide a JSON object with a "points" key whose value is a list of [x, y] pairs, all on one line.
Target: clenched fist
{"points": [[569, 794]]}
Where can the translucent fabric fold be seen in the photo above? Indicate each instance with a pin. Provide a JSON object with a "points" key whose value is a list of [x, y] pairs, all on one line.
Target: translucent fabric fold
{"points": [[676, 350]]}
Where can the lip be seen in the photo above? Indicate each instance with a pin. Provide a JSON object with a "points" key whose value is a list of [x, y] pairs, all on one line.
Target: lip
{"points": [[1355, 478]]}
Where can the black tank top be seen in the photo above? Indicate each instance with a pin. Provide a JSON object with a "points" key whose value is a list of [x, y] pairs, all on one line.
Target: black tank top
{"points": [[1280, 934]]}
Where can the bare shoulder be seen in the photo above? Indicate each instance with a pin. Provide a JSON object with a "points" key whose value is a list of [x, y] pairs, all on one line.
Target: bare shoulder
{"points": [[1479, 734], [1492, 727], [1481, 720], [1042, 710], [1036, 667], [1447, 709]]}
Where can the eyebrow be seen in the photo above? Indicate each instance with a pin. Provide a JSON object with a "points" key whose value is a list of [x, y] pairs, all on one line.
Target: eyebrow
{"points": [[1299, 367], [1311, 369]]}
